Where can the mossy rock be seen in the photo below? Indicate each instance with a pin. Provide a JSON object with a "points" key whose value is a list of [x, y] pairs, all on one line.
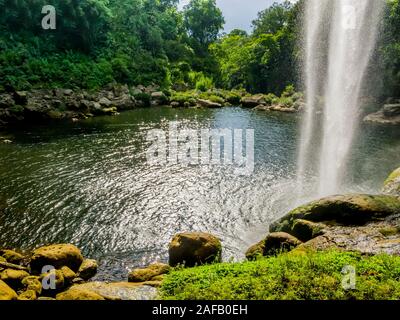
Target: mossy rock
{"points": [[149, 273], [68, 274], [12, 256], [306, 230], [256, 251], [58, 255], [28, 295], [78, 294], [194, 248], [32, 283], [274, 243], [14, 277], [392, 184], [88, 269], [352, 209], [7, 293]]}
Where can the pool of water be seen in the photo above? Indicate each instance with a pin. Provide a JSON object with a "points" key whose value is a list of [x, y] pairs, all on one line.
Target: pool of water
{"points": [[89, 183]]}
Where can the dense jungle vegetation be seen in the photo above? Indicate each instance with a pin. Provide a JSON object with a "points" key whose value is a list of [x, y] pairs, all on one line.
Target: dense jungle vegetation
{"points": [[97, 42]]}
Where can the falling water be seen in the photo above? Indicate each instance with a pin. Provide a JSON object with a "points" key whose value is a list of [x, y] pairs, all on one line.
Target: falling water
{"points": [[340, 38]]}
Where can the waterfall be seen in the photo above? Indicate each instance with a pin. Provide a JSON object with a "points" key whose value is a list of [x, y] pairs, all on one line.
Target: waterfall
{"points": [[340, 38]]}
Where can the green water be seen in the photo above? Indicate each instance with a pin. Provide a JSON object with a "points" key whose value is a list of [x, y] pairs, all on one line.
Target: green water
{"points": [[89, 183]]}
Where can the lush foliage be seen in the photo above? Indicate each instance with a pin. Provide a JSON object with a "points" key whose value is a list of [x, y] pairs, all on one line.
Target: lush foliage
{"points": [[294, 276], [265, 60], [102, 41], [150, 41]]}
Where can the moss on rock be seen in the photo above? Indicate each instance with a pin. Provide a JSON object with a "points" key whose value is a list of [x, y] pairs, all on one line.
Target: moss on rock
{"points": [[58, 255], [392, 184], [12, 256], [149, 273], [344, 209], [88, 269], [306, 230], [194, 248], [14, 277]]}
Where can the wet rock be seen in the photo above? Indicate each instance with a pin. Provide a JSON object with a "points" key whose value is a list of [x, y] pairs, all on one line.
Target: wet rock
{"points": [[208, 104], [148, 273], [14, 277], [306, 230], [195, 248], [58, 255], [256, 251], [175, 104], [159, 98], [344, 209], [104, 102], [391, 110], [392, 184], [78, 294], [21, 97], [8, 265], [6, 101], [68, 92], [68, 274], [88, 269], [118, 290], [32, 283], [253, 101], [125, 102], [46, 299], [28, 295], [274, 243], [381, 117], [367, 239], [12, 256], [6, 293]]}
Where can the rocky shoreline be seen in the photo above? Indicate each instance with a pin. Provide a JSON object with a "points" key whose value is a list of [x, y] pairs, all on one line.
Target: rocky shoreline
{"points": [[369, 224], [59, 104], [389, 115]]}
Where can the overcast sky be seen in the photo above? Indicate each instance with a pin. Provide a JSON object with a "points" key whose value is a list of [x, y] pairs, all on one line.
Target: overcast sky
{"points": [[239, 13]]}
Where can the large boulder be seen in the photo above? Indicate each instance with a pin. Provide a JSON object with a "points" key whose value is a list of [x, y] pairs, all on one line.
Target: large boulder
{"points": [[150, 273], [57, 255], [392, 184], [274, 243], [343, 209], [6, 293], [194, 248]]}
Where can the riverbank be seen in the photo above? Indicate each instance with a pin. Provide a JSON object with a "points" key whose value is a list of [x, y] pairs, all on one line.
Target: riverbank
{"points": [[73, 105], [303, 257]]}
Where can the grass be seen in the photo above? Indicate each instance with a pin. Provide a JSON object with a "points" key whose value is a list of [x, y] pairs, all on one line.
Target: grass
{"points": [[293, 276]]}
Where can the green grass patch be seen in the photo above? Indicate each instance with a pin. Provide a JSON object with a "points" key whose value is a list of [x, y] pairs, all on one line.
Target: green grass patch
{"points": [[301, 276]]}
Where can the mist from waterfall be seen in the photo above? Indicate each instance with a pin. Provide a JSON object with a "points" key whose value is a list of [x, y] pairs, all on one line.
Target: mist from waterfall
{"points": [[340, 38]]}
